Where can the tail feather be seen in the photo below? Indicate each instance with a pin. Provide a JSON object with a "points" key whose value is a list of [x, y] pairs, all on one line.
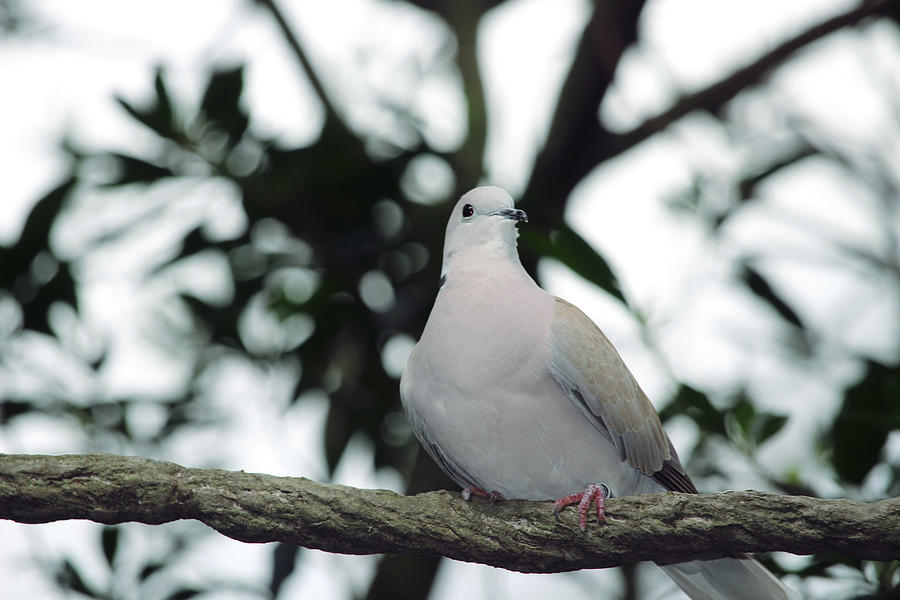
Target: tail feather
{"points": [[728, 579]]}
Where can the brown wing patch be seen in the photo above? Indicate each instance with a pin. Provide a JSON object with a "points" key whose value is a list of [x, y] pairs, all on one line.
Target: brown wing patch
{"points": [[584, 360]]}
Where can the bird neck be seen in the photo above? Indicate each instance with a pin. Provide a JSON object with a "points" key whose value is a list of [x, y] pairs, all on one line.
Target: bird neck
{"points": [[499, 262]]}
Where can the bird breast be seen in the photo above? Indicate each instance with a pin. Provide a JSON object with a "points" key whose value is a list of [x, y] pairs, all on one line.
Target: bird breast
{"points": [[493, 336]]}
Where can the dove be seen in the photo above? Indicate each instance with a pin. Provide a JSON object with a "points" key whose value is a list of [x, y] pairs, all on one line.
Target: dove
{"points": [[517, 394]]}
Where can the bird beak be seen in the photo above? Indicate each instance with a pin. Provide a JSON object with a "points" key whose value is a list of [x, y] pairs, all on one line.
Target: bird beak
{"points": [[512, 213]]}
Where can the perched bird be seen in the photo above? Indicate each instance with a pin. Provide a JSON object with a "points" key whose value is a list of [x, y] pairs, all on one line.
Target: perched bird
{"points": [[517, 394]]}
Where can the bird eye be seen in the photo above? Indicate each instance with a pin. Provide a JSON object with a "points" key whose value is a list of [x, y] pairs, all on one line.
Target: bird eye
{"points": [[467, 211]]}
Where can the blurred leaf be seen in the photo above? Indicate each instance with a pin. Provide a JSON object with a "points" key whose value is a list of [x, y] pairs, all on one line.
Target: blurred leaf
{"points": [[800, 150], [183, 594], [35, 235], [823, 561], [871, 409], [159, 114], [750, 427], [60, 288], [10, 409], [696, 405], [337, 433], [221, 102], [758, 284], [130, 169], [106, 416], [792, 483], [15, 19], [744, 414], [165, 112], [110, 540], [566, 246], [135, 112], [68, 577], [36, 295], [150, 569], [193, 242], [767, 425], [36, 231], [886, 573], [284, 561], [182, 412], [403, 577]]}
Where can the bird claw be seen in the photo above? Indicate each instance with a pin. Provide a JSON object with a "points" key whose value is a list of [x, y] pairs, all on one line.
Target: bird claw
{"points": [[474, 490], [593, 493]]}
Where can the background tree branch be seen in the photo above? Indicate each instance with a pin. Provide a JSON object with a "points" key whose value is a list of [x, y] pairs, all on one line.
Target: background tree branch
{"points": [[516, 535], [573, 149]]}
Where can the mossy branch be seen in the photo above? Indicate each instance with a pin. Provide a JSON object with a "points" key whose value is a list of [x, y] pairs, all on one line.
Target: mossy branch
{"points": [[516, 535]]}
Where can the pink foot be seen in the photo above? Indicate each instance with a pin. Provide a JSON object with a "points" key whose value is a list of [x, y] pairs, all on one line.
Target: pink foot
{"points": [[474, 490], [593, 493]]}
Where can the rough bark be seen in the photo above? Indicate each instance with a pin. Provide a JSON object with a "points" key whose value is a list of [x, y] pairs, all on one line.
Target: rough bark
{"points": [[516, 535]]}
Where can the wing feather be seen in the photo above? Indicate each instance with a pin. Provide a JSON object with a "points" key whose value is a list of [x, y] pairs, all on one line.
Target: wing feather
{"points": [[585, 363]]}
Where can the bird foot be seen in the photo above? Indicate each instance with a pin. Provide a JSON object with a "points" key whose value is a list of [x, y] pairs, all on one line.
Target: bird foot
{"points": [[593, 493], [474, 490]]}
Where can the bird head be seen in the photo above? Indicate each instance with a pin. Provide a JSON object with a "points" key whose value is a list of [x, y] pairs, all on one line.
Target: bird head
{"points": [[482, 224]]}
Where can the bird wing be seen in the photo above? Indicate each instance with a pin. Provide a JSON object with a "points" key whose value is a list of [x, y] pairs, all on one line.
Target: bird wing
{"points": [[593, 375], [420, 427]]}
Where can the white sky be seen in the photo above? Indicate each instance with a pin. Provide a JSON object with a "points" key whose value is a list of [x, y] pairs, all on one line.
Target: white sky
{"points": [[65, 82]]}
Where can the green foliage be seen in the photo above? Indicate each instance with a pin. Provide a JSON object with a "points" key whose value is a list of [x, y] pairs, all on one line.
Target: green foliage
{"points": [[158, 114], [870, 411], [30, 270], [749, 427], [757, 283], [110, 542], [565, 245], [696, 405]]}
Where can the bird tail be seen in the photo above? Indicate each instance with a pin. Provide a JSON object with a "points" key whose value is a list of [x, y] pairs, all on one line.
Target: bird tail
{"points": [[728, 579]]}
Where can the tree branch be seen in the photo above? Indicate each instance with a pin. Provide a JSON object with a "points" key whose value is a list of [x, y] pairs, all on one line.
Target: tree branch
{"points": [[588, 143], [714, 97], [468, 160], [569, 152], [516, 535], [331, 113]]}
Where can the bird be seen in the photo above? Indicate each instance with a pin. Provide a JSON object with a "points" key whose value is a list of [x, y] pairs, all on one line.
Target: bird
{"points": [[517, 394]]}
